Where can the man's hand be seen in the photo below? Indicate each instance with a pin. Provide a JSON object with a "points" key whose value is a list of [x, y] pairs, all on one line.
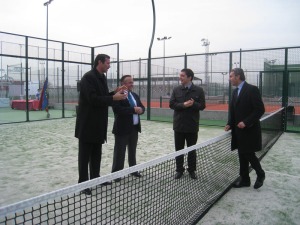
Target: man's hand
{"points": [[138, 110], [121, 88], [227, 128], [241, 125], [120, 95], [189, 103]]}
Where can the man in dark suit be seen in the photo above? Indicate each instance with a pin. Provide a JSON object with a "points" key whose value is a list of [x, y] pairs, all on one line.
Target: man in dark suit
{"points": [[246, 108], [186, 100], [92, 117], [126, 127]]}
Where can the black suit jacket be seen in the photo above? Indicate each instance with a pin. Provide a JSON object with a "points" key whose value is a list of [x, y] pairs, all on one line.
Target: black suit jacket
{"points": [[92, 114], [123, 123], [186, 120], [248, 107]]}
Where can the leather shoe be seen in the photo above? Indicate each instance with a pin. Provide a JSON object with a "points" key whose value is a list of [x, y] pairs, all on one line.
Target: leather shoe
{"points": [[178, 175], [136, 174], [259, 182], [117, 179], [193, 175], [106, 183], [86, 191], [241, 183]]}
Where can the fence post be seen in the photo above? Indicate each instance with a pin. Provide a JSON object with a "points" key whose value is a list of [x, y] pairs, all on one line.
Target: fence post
{"points": [[160, 101]]}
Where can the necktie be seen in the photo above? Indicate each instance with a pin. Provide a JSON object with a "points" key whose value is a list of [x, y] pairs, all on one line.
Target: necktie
{"points": [[130, 99], [236, 94]]}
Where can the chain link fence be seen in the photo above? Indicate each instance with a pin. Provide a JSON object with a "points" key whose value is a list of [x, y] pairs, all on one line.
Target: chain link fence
{"points": [[275, 71]]}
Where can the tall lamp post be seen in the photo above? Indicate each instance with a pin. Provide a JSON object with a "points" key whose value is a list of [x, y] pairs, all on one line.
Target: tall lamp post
{"points": [[236, 64], [164, 40], [274, 80], [206, 43], [211, 66], [46, 4]]}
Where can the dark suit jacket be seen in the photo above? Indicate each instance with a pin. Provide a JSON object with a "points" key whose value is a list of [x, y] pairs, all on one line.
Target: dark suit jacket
{"points": [[92, 114], [249, 108], [186, 120], [123, 123]]}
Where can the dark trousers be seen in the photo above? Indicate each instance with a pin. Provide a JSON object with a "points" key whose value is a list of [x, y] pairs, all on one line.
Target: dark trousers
{"points": [[121, 141], [245, 159], [89, 156], [190, 139]]}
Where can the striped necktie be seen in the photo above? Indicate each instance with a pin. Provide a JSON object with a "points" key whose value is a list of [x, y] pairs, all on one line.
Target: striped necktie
{"points": [[130, 99]]}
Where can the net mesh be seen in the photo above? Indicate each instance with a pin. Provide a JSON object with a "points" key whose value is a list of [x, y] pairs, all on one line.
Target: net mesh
{"points": [[154, 198]]}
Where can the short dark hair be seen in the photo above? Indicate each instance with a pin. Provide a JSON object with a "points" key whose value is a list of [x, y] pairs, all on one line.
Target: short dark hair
{"points": [[188, 72], [102, 58], [124, 77], [239, 71]]}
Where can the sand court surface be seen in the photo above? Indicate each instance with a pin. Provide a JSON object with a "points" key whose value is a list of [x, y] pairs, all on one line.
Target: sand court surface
{"points": [[40, 157]]}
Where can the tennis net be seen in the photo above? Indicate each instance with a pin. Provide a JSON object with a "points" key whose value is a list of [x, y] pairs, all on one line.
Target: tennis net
{"points": [[154, 198]]}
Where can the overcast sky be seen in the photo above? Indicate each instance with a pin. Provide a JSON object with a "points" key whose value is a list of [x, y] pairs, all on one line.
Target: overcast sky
{"points": [[227, 24]]}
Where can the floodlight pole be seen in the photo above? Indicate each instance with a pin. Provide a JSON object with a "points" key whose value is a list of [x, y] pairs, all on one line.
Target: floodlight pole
{"points": [[236, 64], [206, 43], [46, 4], [211, 66], [164, 66]]}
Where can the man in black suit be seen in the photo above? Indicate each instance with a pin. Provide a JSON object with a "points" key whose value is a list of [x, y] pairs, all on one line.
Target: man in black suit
{"points": [[92, 117], [126, 127], [186, 100], [246, 108]]}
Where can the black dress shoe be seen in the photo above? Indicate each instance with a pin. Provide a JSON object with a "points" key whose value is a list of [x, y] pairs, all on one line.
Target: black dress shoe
{"points": [[106, 183], [241, 183], [117, 179], [136, 174], [193, 175], [259, 182], [178, 175], [86, 191]]}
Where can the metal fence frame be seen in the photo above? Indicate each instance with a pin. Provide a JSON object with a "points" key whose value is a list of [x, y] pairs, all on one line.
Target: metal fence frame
{"points": [[210, 71]]}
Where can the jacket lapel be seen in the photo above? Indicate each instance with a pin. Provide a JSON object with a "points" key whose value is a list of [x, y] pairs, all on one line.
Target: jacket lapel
{"points": [[243, 91], [235, 96]]}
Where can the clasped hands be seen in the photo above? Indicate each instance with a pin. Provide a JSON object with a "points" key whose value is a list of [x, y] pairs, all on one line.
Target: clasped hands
{"points": [[240, 125], [189, 103], [138, 110]]}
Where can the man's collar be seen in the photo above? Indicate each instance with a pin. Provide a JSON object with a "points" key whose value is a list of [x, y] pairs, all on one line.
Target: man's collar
{"points": [[95, 69], [189, 85], [240, 86]]}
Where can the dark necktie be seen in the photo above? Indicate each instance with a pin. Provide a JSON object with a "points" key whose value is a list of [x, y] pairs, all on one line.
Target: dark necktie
{"points": [[130, 99], [236, 94]]}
